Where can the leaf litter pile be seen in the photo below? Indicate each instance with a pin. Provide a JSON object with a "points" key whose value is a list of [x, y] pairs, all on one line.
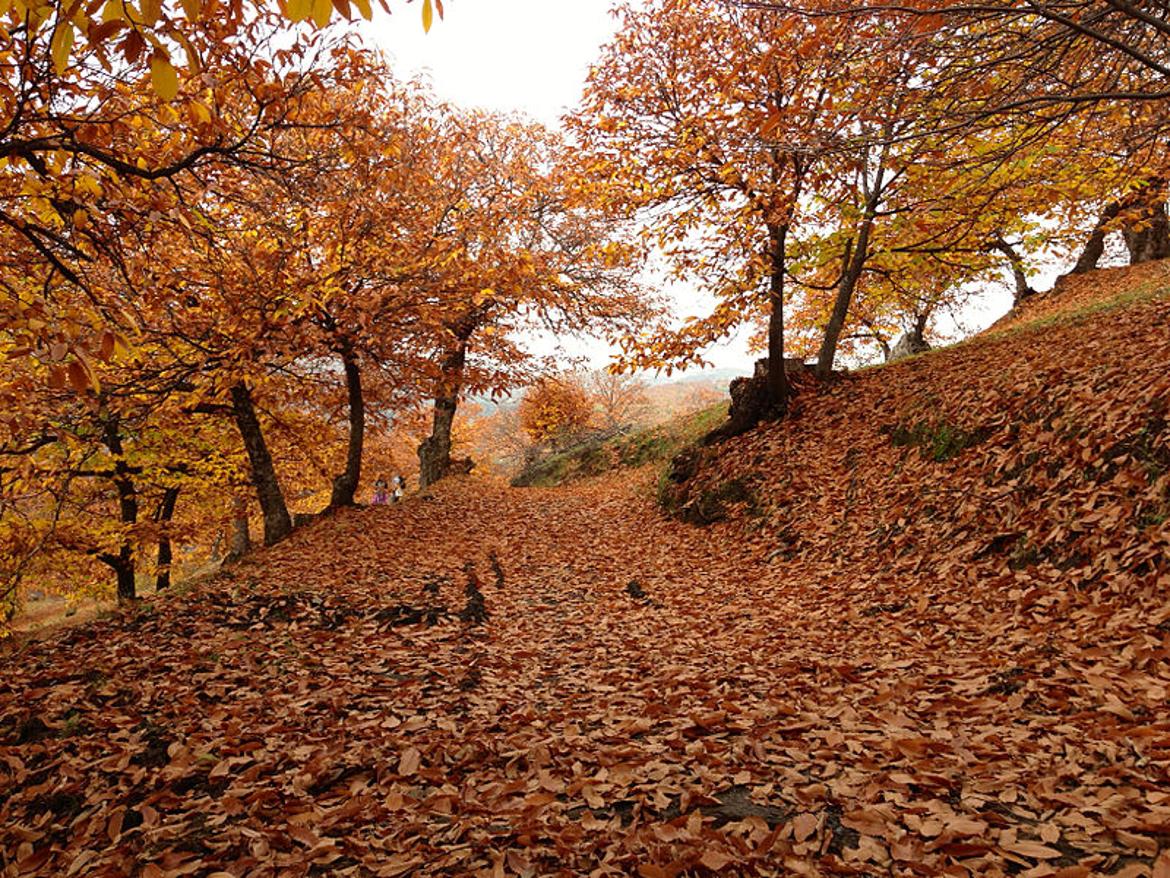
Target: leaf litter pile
{"points": [[928, 633]]}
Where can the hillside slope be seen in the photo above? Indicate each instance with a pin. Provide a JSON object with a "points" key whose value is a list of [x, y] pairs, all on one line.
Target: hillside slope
{"points": [[932, 635]]}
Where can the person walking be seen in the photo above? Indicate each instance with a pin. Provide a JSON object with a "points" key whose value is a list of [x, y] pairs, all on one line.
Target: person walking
{"points": [[380, 495]]}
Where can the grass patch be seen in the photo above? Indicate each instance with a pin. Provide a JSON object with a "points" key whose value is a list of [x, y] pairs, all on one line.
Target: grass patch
{"points": [[937, 440], [625, 451]]}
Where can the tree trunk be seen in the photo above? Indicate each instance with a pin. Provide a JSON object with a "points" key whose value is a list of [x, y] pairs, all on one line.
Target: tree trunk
{"points": [[123, 562], [277, 522], [1095, 246], [240, 541], [777, 385], [1023, 288], [1147, 234], [853, 265], [345, 485], [123, 566], [434, 452], [920, 320], [163, 515]]}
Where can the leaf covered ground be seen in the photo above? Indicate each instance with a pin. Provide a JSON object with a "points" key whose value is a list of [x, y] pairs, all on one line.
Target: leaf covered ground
{"points": [[931, 635]]}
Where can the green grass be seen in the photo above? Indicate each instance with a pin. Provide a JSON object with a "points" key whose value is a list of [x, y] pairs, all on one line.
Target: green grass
{"points": [[1147, 292], [650, 445], [936, 439]]}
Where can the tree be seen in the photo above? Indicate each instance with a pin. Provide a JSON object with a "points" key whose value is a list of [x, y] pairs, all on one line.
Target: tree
{"points": [[555, 410], [202, 294], [620, 399], [514, 246], [713, 123], [100, 117]]}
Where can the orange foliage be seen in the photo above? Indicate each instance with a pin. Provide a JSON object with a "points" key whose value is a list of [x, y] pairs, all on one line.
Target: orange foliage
{"points": [[555, 410]]}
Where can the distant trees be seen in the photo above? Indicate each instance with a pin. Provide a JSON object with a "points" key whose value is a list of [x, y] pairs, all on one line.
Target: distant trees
{"points": [[520, 250], [619, 400], [555, 410]]}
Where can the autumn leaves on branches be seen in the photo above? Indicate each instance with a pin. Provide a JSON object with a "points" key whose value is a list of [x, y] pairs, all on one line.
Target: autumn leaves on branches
{"points": [[220, 276], [833, 172]]}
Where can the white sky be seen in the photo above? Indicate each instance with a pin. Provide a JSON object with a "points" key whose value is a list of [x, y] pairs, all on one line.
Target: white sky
{"points": [[526, 55], [532, 57]]}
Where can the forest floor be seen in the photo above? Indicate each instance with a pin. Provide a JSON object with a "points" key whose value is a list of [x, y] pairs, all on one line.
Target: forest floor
{"points": [[902, 650]]}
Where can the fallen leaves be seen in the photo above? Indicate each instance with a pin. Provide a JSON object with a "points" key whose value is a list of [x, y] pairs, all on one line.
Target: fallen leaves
{"points": [[908, 709]]}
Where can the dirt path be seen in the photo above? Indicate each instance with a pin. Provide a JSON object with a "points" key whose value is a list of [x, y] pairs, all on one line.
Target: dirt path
{"points": [[642, 698]]}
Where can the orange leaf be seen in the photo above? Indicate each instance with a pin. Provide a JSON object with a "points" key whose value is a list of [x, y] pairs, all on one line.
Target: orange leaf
{"points": [[803, 826], [1033, 849], [409, 762], [78, 377], [714, 860]]}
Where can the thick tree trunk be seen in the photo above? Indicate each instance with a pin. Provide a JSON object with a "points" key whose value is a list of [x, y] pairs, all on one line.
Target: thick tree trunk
{"points": [[163, 515], [345, 485], [853, 265], [434, 452], [122, 563], [1095, 246], [1147, 233], [123, 566], [777, 385], [277, 522], [1020, 276], [240, 540]]}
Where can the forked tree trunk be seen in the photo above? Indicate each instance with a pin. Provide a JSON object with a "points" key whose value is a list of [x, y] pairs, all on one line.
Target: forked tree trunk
{"points": [[777, 383], [920, 321], [122, 562], [345, 485], [434, 452], [163, 515], [277, 522], [1147, 234], [1145, 228]]}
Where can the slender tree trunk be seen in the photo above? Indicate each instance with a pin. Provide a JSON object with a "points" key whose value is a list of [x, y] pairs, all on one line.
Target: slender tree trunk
{"points": [[777, 379], [1095, 246], [1019, 275], [122, 563], [345, 485], [434, 452], [854, 265], [163, 515], [277, 522]]}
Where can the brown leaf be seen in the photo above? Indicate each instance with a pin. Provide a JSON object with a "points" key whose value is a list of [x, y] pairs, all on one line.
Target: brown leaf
{"points": [[409, 762]]}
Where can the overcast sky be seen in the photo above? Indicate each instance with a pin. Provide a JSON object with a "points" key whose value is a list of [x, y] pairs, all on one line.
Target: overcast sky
{"points": [[526, 55]]}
